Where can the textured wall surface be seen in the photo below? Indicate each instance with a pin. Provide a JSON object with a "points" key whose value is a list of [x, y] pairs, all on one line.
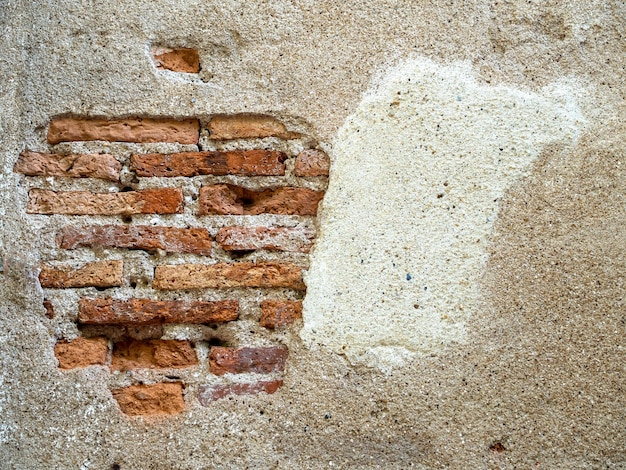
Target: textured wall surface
{"points": [[529, 373]]}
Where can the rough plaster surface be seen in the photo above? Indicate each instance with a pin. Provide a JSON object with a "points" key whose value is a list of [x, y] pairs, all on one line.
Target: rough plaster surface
{"points": [[419, 170], [541, 366]]}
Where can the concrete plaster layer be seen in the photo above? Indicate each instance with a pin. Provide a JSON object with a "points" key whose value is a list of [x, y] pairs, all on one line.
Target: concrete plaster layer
{"points": [[539, 374]]}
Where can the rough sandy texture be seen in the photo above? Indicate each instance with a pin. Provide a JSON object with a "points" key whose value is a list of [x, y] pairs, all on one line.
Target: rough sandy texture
{"points": [[538, 378]]}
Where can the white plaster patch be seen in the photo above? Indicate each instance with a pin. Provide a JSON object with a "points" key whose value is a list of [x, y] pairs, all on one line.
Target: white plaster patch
{"points": [[417, 173]]}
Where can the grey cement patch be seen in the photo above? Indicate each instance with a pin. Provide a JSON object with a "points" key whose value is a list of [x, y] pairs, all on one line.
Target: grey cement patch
{"points": [[417, 175]]}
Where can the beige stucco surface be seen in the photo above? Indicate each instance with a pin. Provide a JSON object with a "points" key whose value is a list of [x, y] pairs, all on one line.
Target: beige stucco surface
{"points": [[537, 362]]}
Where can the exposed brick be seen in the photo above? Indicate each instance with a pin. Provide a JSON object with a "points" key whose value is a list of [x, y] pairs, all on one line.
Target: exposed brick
{"points": [[135, 312], [210, 393], [248, 126], [152, 400], [138, 237], [141, 130], [177, 60], [90, 165], [276, 313], [227, 275], [96, 274], [153, 354], [234, 162], [265, 238], [312, 162], [147, 201], [256, 360], [222, 199], [49, 308], [81, 352]]}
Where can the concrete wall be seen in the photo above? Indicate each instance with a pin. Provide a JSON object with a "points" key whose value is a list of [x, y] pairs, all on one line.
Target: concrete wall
{"points": [[465, 295]]}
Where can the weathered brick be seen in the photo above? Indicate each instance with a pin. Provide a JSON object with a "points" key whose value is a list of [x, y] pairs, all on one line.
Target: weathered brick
{"points": [[96, 274], [210, 393], [153, 354], [248, 126], [256, 360], [81, 352], [312, 162], [47, 304], [135, 312], [90, 165], [227, 275], [147, 201], [277, 313], [222, 199], [154, 400], [265, 238], [138, 237], [141, 130], [177, 60], [233, 162]]}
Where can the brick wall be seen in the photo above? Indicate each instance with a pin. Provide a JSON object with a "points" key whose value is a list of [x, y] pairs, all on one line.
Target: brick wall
{"points": [[177, 249]]}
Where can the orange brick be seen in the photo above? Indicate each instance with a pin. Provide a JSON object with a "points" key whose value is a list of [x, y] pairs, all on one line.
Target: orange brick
{"points": [[135, 312], [248, 126], [276, 313], [141, 130], [151, 400], [234, 162], [91, 165], [147, 201], [210, 393], [227, 275], [265, 238], [153, 354], [222, 199], [96, 274], [177, 60], [81, 352], [138, 237], [256, 360], [312, 162]]}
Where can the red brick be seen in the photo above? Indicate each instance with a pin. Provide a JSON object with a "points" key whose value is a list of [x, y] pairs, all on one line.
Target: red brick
{"points": [[136, 312], [276, 313], [234, 162], [227, 275], [138, 237], [177, 60], [90, 165], [81, 352], [256, 360], [312, 162], [222, 199], [265, 238], [153, 354], [151, 400], [49, 308], [248, 126], [141, 130], [210, 393], [147, 201], [96, 274]]}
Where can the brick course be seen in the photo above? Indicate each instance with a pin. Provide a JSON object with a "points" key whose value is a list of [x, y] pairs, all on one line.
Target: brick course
{"points": [[177, 60], [137, 312], [102, 166], [138, 237], [141, 130], [235, 162], [151, 354], [81, 352], [248, 126], [265, 238], [227, 275], [96, 274], [152, 400], [257, 360], [221, 199], [277, 313], [147, 201], [209, 393]]}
